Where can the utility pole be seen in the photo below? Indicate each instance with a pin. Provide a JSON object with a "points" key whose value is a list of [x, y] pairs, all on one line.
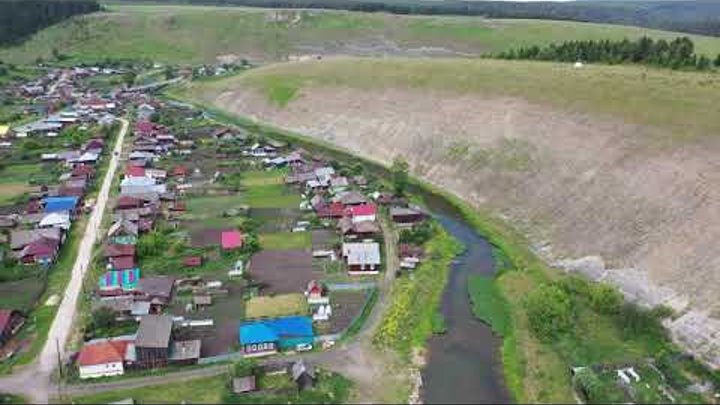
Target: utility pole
{"points": [[59, 360]]}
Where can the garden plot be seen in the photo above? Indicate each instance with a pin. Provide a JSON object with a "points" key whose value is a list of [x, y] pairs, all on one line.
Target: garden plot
{"points": [[227, 312], [276, 219], [346, 306], [629, 383], [283, 271], [276, 306], [271, 196], [21, 294], [201, 208], [286, 240]]}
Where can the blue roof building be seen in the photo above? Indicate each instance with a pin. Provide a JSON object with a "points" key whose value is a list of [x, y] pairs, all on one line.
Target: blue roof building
{"points": [[58, 204], [265, 337]]}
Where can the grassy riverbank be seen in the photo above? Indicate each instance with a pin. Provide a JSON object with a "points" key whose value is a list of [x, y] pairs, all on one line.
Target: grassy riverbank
{"points": [[412, 314]]}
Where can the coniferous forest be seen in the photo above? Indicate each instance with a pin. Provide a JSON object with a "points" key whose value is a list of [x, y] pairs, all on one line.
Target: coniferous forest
{"points": [[676, 54], [21, 18]]}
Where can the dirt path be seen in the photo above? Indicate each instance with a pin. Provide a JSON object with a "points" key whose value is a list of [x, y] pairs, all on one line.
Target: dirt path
{"points": [[33, 381]]}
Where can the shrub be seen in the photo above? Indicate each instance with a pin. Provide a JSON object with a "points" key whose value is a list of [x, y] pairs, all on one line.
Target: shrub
{"points": [[244, 367], [549, 311], [605, 299]]}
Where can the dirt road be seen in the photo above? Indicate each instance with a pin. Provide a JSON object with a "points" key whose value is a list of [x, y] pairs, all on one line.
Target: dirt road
{"points": [[33, 381]]}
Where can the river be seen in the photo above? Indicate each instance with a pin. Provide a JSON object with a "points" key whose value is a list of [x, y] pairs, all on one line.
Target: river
{"points": [[464, 364]]}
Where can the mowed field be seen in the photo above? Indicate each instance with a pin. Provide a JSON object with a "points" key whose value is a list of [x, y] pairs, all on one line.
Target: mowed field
{"points": [[191, 34], [614, 161]]}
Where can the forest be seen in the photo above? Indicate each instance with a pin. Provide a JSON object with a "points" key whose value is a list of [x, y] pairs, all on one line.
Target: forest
{"points": [[676, 54], [21, 18], [697, 16]]}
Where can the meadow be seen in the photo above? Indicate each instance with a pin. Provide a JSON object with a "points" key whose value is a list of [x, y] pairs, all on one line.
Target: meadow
{"points": [[190, 34]]}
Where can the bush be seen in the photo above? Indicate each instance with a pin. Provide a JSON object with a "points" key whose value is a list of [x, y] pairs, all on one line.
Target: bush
{"points": [[549, 311], [103, 318], [605, 299], [418, 235], [244, 367]]}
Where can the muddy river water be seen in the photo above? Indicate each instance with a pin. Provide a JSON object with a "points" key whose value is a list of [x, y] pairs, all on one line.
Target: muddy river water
{"points": [[464, 364]]}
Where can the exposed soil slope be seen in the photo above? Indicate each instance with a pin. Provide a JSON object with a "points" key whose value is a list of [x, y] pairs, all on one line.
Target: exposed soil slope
{"points": [[614, 162], [192, 34]]}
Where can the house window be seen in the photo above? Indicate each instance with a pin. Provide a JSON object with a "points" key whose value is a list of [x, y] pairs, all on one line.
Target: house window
{"points": [[253, 347]]}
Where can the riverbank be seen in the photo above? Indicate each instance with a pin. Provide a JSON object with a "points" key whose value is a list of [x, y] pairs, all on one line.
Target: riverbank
{"points": [[535, 370]]}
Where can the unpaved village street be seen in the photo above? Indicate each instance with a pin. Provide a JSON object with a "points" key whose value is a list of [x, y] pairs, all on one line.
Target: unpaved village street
{"points": [[33, 381]]}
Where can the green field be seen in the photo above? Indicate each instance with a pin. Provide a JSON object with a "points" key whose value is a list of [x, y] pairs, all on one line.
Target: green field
{"points": [[286, 240], [679, 101], [263, 177], [271, 196], [213, 206], [183, 34], [199, 391]]}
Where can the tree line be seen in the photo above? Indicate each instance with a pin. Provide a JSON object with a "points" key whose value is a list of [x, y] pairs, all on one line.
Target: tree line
{"points": [[698, 17], [676, 54], [21, 18]]}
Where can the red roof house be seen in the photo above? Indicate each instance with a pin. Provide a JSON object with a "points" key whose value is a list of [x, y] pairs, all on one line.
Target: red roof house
{"points": [[122, 262], [363, 210], [134, 171], [119, 250], [128, 202], [103, 358], [231, 240], [40, 251], [332, 210]]}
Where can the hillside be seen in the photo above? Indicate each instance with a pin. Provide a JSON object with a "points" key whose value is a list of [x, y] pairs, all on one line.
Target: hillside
{"points": [[615, 162], [694, 16], [192, 34]]}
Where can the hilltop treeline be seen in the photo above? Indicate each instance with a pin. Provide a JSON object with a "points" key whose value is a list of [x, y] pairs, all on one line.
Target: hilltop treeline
{"points": [[20, 18], [676, 54], [699, 17]]}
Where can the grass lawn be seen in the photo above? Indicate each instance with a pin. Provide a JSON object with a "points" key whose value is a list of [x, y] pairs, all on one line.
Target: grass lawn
{"points": [[213, 206], [279, 305], [19, 173], [198, 391], [10, 191], [286, 240], [263, 177], [271, 196]]}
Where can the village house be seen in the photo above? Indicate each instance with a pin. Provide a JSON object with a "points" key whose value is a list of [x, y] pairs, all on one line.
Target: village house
{"points": [[362, 257], [363, 229], [123, 232], [19, 239], [363, 212], [105, 357], [56, 220], [60, 204], [266, 337], [157, 290], [152, 345], [119, 282]]}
